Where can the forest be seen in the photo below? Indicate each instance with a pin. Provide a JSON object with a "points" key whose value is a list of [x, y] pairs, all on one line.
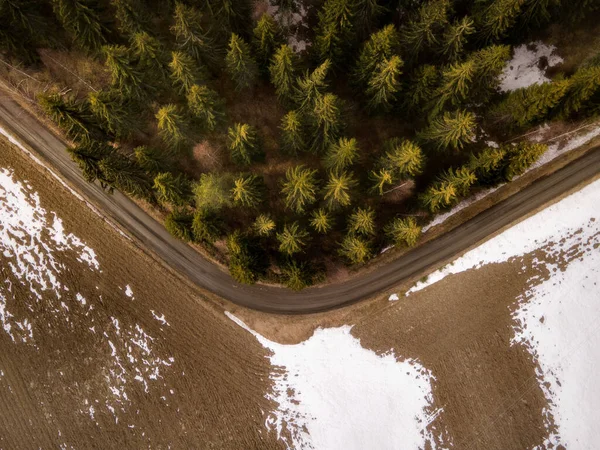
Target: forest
{"points": [[283, 150]]}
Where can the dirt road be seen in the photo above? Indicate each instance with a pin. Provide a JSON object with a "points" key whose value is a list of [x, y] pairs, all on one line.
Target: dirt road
{"points": [[202, 272]]}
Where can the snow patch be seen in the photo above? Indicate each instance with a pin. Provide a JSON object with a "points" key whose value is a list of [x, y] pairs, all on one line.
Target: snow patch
{"points": [[523, 69], [394, 298]]}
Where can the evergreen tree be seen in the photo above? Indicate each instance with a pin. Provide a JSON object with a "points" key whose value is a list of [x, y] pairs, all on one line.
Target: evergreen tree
{"points": [[462, 179], [185, 73], [362, 221], [403, 157], [125, 77], [489, 64], [295, 275], [383, 44], [337, 189], [403, 232], [457, 81], [175, 190], [267, 38], [264, 225], [69, 116], [24, 28], [584, 84], [367, 12], [299, 188], [212, 192], [421, 88], [487, 164], [452, 130], [381, 178], [311, 86], [151, 159], [355, 249], [243, 144], [335, 30], [440, 194], [112, 113], [241, 66], [205, 105], [424, 31], [341, 154], [81, 21], [232, 15], [283, 72], [292, 239], [172, 126], [247, 191], [125, 175], [537, 12], [321, 221], [151, 57], [131, 15], [455, 38], [179, 224], [247, 259], [496, 17], [325, 122], [87, 155], [206, 226], [292, 134], [521, 156], [384, 84]]}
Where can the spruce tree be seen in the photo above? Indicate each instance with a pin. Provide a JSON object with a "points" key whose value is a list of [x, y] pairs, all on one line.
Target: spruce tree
{"points": [[521, 156], [126, 175], [172, 126], [87, 155], [242, 141], [462, 179], [457, 81], [384, 84], [438, 195], [292, 134], [267, 38], [264, 225], [325, 122], [338, 189], [132, 16], [206, 226], [311, 86], [152, 159], [420, 88], [367, 12], [455, 38], [283, 72], [125, 77], [450, 131], [583, 85], [495, 18], [241, 66], [424, 31], [321, 221], [185, 73], [179, 224], [341, 154], [172, 189], [151, 57], [487, 164], [112, 113], [82, 22], [212, 192], [362, 222], [381, 45], [403, 232], [292, 239], [247, 191], [231, 15], [335, 31], [205, 106], [537, 12], [299, 188], [380, 179], [296, 275], [403, 157], [355, 249], [69, 115], [489, 64]]}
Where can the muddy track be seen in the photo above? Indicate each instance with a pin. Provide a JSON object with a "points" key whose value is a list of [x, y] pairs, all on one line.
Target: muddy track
{"points": [[207, 275]]}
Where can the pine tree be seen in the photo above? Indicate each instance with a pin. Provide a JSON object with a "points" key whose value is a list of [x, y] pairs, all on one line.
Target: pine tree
{"points": [[247, 259], [172, 126], [125, 77], [296, 276], [112, 113], [321, 221], [537, 12], [283, 72], [489, 64], [179, 224], [212, 192], [338, 188], [292, 134], [23, 29], [451, 131], [264, 225], [171, 189], [384, 84], [440, 194], [241, 66], [367, 12], [81, 21], [151, 57], [87, 155], [69, 116], [151, 159], [191, 37], [403, 157], [247, 191], [341, 154], [383, 44], [335, 31], [131, 16], [299, 188], [126, 175], [292, 239], [457, 81], [206, 226], [355, 249], [267, 38], [242, 141], [311, 86], [462, 179], [521, 156], [381, 178], [584, 84], [455, 38], [421, 88], [424, 31], [362, 221], [403, 232], [487, 164], [497, 17], [325, 122], [205, 106], [185, 73], [232, 15]]}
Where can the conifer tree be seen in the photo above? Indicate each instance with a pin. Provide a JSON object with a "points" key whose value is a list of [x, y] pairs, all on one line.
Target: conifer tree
{"points": [[335, 31], [521, 156], [179, 224], [243, 144], [264, 225], [403, 157], [487, 164], [112, 113], [338, 188], [380, 179], [125, 77], [367, 12], [496, 17], [184, 71], [537, 12], [381, 45], [232, 15], [206, 226], [292, 239], [455, 38], [311, 86], [321, 221], [424, 31], [457, 81], [151, 57], [247, 191], [81, 21], [362, 221], [131, 16], [212, 192], [355, 249], [462, 179], [403, 232], [175, 190], [296, 275], [283, 72], [489, 64], [450, 131], [23, 27], [87, 155], [292, 134], [68, 115], [172, 126], [125, 175], [583, 85], [341, 154], [267, 38], [151, 159], [440, 194], [421, 88], [299, 188], [384, 84], [205, 106], [325, 122], [241, 66]]}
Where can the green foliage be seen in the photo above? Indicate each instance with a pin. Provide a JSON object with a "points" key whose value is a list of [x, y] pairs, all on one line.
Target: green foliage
{"points": [[355, 249], [171, 189], [231, 15], [192, 38], [212, 192], [151, 159], [325, 122], [125, 77], [450, 131], [380, 46], [206, 226], [341, 154], [457, 81], [247, 190], [243, 144], [179, 224], [267, 37], [441, 194], [151, 57], [335, 31], [125, 175], [424, 31], [488, 164], [172, 126], [489, 64], [321, 221], [82, 22], [583, 85], [421, 88], [338, 188], [299, 188], [403, 231], [292, 239], [88, 155], [110, 110], [455, 38], [296, 275], [384, 84], [403, 157], [311, 86], [185, 73], [292, 133], [366, 13], [205, 106], [264, 225], [537, 12], [362, 222], [240, 64], [380, 179], [496, 17], [283, 72], [69, 115], [521, 156], [462, 179], [131, 15]]}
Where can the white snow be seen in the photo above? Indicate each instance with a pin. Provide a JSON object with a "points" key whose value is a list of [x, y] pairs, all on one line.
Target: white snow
{"points": [[129, 292], [333, 394], [523, 69], [291, 21], [160, 318], [394, 297]]}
